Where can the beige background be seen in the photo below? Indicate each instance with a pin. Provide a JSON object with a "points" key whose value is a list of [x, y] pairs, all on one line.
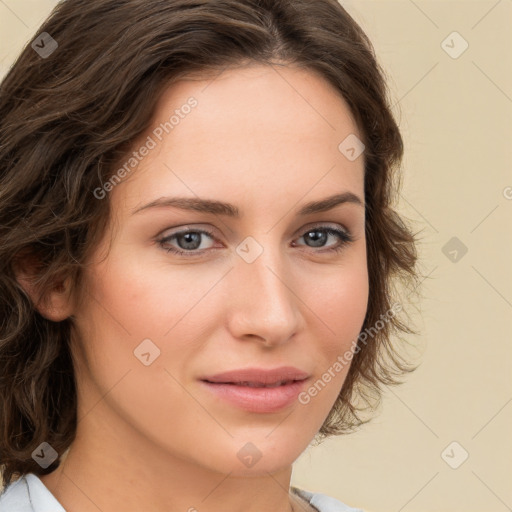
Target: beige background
{"points": [[456, 117]]}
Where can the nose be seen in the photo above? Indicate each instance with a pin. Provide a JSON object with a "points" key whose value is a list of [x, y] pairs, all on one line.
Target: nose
{"points": [[262, 303]]}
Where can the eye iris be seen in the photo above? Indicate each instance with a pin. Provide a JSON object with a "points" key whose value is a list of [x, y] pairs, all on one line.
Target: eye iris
{"points": [[190, 238], [319, 237]]}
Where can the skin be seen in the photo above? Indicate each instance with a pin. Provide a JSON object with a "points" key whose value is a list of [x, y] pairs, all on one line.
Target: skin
{"points": [[264, 138]]}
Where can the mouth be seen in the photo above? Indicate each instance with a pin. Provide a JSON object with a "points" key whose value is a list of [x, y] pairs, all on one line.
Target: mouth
{"points": [[257, 391], [258, 376], [256, 384]]}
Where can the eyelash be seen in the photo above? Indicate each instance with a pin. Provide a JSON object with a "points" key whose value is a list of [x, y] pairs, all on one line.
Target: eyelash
{"points": [[344, 236]]}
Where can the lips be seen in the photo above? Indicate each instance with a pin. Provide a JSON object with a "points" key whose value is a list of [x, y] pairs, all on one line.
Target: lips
{"points": [[257, 390], [258, 377], [259, 384]]}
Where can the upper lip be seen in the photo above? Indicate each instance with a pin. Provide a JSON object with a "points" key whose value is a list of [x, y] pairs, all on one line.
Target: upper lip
{"points": [[259, 375]]}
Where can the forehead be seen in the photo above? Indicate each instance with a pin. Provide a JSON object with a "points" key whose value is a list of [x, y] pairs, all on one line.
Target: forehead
{"points": [[255, 131], [270, 97]]}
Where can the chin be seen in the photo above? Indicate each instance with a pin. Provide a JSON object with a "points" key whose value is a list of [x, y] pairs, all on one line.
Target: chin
{"points": [[243, 457]]}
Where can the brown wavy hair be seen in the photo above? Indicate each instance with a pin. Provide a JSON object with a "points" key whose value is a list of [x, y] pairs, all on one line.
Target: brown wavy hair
{"points": [[67, 118]]}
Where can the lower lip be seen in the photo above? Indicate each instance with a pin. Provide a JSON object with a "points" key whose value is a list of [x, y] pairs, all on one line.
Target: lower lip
{"points": [[262, 400]]}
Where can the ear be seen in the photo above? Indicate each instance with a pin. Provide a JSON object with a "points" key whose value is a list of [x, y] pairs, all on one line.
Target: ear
{"points": [[54, 304]]}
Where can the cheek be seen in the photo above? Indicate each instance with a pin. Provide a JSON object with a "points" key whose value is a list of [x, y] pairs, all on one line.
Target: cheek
{"points": [[145, 297], [131, 301], [129, 305], [340, 300], [340, 304]]}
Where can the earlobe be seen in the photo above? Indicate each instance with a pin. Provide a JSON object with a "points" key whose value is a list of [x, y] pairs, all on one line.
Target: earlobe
{"points": [[55, 304]]}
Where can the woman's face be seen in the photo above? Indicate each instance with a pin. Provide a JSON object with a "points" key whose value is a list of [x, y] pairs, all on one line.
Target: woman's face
{"points": [[267, 288]]}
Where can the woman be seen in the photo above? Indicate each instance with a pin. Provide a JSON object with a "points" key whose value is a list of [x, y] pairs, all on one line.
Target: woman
{"points": [[198, 251]]}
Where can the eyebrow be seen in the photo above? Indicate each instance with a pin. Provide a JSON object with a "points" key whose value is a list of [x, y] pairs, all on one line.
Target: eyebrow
{"points": [[230, 210]]}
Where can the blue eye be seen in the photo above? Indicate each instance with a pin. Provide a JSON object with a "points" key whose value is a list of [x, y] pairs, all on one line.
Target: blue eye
{"points": [[189, 240], [321, 233]]}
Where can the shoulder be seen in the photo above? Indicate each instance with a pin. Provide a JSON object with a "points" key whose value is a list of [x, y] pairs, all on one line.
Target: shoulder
{"points": [[322, 502], [28, 494]]}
